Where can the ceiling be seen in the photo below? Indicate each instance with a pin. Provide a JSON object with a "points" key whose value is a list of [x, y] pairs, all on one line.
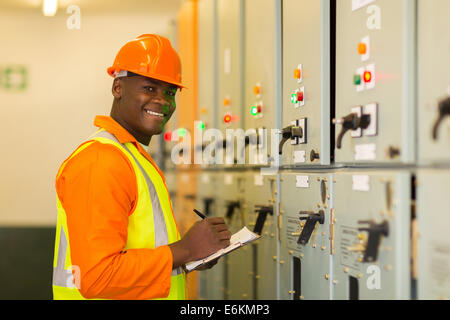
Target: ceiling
{"points": [[98, 6]]}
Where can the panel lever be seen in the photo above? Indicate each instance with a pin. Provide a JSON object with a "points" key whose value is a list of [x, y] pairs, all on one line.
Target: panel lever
{"points": [[444, 110], [351, 122], [262, 211], [287, 133], [311, 220], [373, 242]]}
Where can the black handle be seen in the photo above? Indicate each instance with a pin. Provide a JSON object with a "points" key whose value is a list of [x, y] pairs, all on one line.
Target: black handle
{"points": [[444, 110], [287, 133]]}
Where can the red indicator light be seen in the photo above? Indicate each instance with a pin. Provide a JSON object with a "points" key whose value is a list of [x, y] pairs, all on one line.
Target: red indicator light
{"points": [[259, 109], [227, 118], [300, 96], [168, 136], [367, 76]]}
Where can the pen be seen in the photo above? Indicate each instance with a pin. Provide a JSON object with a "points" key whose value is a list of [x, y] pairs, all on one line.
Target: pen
{"points": [[201, 215]]}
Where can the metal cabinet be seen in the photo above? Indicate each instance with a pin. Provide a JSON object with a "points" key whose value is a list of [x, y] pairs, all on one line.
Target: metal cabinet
{"points": [[262, 84], [432, 255], [371, 238], [231, 206], [306, 249], [306, 82], [260, 195], [433, 81], [375, 72]]}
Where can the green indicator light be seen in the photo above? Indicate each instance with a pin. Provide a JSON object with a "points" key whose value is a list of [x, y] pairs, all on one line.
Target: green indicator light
{"points": [[201, 126], [357, 79], [254, 110], [181, 132], [294, 98]]}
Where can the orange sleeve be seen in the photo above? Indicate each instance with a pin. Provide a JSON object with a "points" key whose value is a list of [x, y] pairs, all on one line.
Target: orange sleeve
{"points": [[98, 191]]}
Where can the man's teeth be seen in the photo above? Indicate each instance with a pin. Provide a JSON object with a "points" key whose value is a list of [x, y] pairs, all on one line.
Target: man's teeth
{"points": [[154, 113]]}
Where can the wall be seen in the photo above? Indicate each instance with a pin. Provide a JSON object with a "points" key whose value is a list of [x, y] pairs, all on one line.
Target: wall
{"points": [[67, 87]]}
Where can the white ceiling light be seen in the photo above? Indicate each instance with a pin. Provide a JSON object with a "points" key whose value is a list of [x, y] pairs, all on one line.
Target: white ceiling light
{"points": [[49, 7]]}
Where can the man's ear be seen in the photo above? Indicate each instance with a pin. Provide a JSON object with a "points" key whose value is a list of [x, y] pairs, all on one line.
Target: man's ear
{"points": [[117, 88]]}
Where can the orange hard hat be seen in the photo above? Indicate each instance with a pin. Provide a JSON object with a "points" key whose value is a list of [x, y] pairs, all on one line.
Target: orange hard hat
{"points": [[149, 55]]}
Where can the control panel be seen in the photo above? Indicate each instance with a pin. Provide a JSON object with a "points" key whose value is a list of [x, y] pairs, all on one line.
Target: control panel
{"points": [[261, 198], [306, 82], [260, 110], [306, 236], [372, 214], [433, 81], [374, 121], [207, 78], [430, 236]]}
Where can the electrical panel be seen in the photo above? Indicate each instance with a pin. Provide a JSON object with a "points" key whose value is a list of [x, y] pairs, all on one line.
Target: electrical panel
{"points": [[230, 75], [375, 65], [231, 206], [261, 199], [262, 39], [207, 76], [306, 236], [371, 235], [430, 235], [433, 81], [210, 281], [306, 83]]}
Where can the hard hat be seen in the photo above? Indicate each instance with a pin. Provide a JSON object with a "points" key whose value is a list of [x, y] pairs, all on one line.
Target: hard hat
{"points": [[149, 55]]}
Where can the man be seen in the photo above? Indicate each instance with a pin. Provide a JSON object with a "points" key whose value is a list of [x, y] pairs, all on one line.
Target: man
{"points": [[116, 234]]}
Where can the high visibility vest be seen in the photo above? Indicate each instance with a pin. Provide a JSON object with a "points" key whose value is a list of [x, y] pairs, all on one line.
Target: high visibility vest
{"points": [[151, 225]]}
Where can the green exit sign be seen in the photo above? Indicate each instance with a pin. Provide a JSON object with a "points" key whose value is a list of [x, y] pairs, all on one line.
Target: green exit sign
{"points": [[13, 78]]}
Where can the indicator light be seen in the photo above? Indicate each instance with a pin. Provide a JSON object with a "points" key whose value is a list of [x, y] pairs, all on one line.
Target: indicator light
{"points": [[201, 126], [182, 132], [297, 73], [257, 90], [259, 108], [367, 76], [254, 110], [226, 102], [357, 79], [168, 136], [362, 48], [227, 118], [300, 96], [294, 98]]}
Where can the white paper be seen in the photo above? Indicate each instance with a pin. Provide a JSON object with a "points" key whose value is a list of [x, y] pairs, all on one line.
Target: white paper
{"points": [[365, 152], [302, 181], [237, 240], [300, 156], [358, 4], [361, 183]]}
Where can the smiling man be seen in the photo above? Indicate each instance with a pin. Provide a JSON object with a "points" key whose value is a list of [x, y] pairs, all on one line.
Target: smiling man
{"points": [[116, 235]]}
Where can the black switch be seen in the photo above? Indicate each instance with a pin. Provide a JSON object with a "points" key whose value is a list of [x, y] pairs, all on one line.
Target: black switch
{"points": [[231, 206], [311, 220], [207, 205], [373, 242], [351, 122], [261, 219], [287, 133], [444, 110]]}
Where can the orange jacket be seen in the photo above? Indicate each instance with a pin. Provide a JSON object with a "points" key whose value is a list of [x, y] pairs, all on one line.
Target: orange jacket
{"points": [[98, 191]]}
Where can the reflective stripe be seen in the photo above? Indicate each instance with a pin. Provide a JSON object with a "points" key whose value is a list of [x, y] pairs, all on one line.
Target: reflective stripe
{"points": [[61, 276], [161, 236]]}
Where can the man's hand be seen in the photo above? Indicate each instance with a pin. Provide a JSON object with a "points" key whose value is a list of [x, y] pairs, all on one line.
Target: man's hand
{"points": [[202, 239]]}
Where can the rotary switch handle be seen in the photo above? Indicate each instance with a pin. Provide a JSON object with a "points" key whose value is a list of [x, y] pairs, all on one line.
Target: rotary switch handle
{"points": [[207, 204], [311, 219], [373, 242], [351, 122], [262, 211], [231, 206], [287, 133], [444, 110]]}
